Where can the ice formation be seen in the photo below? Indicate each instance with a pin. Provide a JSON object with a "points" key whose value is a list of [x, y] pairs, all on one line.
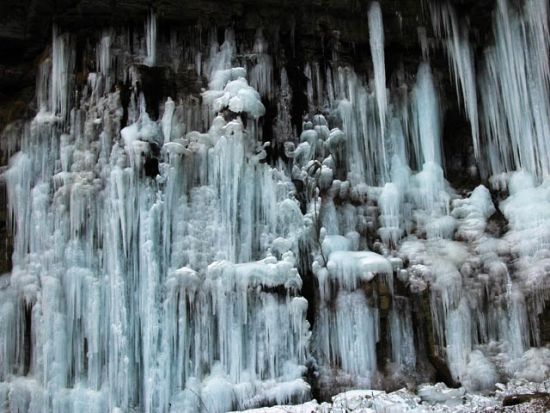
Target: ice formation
{"points": [[515, 90], [446, 24], [99, 242], [166, 259]]}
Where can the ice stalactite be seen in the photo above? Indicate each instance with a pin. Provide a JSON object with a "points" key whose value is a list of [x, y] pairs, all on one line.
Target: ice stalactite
{"points": [[376, 37], [426, 119], [526, 211], [261, 75], [461, 60], [346, 271], [283, 130], [424, 42], [513, 84], [515, 90], [151, 39], [422, 222], [347, 326], [103, 59], [218, 66], [62, 61]]}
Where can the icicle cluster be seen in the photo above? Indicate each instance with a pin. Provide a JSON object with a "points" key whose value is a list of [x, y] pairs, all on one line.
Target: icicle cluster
{"points": [[173, 290]]}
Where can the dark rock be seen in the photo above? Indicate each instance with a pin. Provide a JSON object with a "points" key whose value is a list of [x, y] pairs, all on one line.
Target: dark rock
{"points": [[497, 224], [6, 239], [544, 320], [516, 399]]}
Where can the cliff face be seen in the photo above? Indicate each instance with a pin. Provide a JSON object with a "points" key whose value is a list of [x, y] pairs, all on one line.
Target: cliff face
{"points": [[303, 31], [225, 205], [317, 29]]}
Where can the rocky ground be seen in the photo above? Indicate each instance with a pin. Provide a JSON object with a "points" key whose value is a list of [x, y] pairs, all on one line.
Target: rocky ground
{"points": [[517, 396]]}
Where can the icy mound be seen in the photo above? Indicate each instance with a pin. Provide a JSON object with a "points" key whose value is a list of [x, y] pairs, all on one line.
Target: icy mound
{"points": [[348, 268], [237, 96]]}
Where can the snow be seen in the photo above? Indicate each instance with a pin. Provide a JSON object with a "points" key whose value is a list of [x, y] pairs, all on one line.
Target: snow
{"points": [[534, 365], [238, 97], [481, 373], [426, 398], [348, 268], [472, 213]]}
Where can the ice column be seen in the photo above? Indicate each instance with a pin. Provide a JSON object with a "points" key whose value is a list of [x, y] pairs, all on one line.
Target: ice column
{"points": [[376, 39]]}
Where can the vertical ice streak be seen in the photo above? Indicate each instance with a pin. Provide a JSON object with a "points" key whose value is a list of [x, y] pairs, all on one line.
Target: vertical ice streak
{"points": [[424, 42], [62, 60], [426, 117], [261, 75], [151, 39], [104, 58], [376, 39]]}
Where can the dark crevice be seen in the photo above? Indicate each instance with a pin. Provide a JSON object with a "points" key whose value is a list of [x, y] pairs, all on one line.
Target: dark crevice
{"points": [[27, 339]]}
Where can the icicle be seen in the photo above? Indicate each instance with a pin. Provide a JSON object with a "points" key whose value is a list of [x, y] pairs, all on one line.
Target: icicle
{"points": [[104, 58], [151, 39], [283, 127], [348, 335], [62, 61], [167, 120], [261, 76], [402, 336], [424, 45], [427, 117], [376, 39], [461, 59], [390, 202], [516, 93]]}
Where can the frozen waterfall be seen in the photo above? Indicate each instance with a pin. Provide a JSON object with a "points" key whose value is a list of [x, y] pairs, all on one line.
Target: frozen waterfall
{"points": [[201, 251]]}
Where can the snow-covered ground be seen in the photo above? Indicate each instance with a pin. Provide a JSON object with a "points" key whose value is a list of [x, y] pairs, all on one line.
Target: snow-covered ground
{"points": [[428, 398]]}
